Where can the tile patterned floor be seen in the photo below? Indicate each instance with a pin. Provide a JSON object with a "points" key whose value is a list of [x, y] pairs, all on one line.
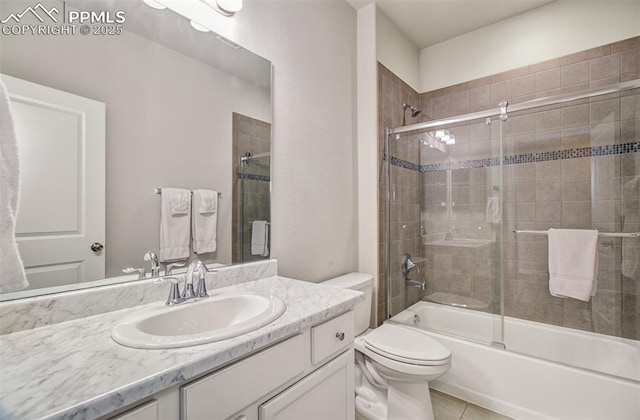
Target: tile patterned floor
{"points": [[446, 407]]}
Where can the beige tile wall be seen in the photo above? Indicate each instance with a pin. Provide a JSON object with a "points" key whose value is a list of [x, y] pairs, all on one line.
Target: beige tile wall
{"points": [[589, 192]]}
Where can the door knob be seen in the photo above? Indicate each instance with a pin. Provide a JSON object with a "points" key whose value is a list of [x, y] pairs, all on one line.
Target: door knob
{"points": [[97, 247]]}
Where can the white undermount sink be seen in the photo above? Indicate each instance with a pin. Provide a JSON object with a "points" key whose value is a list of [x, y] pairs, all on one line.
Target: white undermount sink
{"points": [[215, 318]]}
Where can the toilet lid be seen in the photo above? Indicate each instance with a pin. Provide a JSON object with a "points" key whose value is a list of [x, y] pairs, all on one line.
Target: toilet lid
{"points": [[406, 345]]}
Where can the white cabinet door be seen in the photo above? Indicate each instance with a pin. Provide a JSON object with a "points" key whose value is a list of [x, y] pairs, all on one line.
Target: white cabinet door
{"points": [[326, 394], [61, 143]]}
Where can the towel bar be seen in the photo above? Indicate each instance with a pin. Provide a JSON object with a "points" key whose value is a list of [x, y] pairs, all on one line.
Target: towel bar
{"points": [[158, 190], [606, 234]]}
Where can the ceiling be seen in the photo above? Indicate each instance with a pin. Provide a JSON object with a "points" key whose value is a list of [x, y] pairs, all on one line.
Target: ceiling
{"points": [[429, 22]]}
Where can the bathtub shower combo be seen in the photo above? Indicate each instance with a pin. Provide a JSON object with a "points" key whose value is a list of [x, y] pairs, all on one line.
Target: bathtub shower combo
{"points": [[470, 199]]}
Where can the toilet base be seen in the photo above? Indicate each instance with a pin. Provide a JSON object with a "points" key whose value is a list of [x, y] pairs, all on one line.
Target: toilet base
{"points": [[398, 401], [400, 404], [407, 401]]}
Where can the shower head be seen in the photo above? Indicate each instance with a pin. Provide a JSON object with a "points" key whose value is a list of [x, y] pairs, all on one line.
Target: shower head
{"points": [[414, 112]]}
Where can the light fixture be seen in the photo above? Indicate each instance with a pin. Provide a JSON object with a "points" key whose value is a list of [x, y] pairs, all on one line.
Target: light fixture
{"points": [[434, 144], [443, 137], [224, 7], [451, 140], [228, 42], [154, 4], [195, 25]]}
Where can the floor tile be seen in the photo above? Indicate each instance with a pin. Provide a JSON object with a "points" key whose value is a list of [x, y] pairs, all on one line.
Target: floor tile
{"points": [[474, 412], [446, 407]]}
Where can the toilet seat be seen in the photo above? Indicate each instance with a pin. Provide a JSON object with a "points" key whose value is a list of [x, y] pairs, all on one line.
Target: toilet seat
{"points": [[406, 345]]}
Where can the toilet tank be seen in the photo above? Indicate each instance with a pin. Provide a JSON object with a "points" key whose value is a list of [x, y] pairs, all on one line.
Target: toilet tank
{"points": [[363, 283]]}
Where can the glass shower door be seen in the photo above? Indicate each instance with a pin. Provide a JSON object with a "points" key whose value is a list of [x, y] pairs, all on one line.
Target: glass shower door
{"points": [[574, 165], [445, 209]]}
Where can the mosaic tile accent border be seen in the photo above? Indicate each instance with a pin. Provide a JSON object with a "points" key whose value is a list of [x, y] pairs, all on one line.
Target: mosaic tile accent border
{"points": [[405, 164], [607, 150], [253, 177]]}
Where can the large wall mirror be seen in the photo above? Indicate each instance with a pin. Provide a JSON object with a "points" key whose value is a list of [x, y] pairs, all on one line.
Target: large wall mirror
{"points": [[105, 118]]}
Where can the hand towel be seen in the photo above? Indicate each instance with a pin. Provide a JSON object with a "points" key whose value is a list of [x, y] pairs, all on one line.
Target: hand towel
{"points": [[175, 206], [204, 224], [260, 238], [493, 209], [573, 263], [12, 274]]}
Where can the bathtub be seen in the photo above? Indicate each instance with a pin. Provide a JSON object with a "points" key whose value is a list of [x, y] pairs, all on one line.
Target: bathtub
{"points": [[592, 376]]}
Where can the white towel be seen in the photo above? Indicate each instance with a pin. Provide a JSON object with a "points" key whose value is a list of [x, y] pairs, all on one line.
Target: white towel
{"points": [[573, 263], [12, 275], [260, 238], [204, 224], [175, 206], [493, 209]]}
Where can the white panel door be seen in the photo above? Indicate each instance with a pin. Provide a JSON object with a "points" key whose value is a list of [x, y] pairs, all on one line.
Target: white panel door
{"points": [[61, 142]]}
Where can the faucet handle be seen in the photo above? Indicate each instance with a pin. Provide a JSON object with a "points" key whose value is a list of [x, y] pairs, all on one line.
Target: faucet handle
{"points": [[408, 265], [188, 292], [169, 267], [141, 272], [201, 288], [174, 293]]}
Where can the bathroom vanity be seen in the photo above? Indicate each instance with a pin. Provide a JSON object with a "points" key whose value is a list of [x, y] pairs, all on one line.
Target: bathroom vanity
{"points": [[300, 363], [291, 379]]}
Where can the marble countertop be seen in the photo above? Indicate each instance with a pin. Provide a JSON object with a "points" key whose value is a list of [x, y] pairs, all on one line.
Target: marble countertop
{"points": [[75, 370]]}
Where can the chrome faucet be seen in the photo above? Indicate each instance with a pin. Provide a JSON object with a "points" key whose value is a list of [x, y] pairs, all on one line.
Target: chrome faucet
{"points": [[174, 294], [201, 288], [188, 293], [168, 270], [407, 266], [141, 272], [155, 266]]}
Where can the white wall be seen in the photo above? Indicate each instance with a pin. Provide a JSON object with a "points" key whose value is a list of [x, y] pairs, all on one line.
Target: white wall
{"points": [[368, 146], [553, 30], [312, 46], [396, 52]]}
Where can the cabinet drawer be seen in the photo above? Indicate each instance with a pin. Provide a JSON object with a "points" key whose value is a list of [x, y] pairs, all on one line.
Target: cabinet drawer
{"points": [[223, 393], [147, 411], [331, 337]]}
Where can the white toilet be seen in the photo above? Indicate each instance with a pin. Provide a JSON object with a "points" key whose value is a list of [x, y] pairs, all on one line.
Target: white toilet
{"points": [[394, 363]]}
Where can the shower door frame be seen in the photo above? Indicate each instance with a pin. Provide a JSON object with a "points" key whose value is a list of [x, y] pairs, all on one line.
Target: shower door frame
{"points": [[502, 112]]}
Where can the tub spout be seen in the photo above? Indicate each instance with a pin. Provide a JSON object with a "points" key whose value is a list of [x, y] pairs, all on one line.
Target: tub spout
{"points": [[415, 283]]}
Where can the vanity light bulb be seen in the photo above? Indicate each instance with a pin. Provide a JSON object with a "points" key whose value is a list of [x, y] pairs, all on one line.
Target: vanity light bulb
{"points": [[154, 4], [439, 134], [198, 27], [451, 140], [230, 6], [445, 138]]}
